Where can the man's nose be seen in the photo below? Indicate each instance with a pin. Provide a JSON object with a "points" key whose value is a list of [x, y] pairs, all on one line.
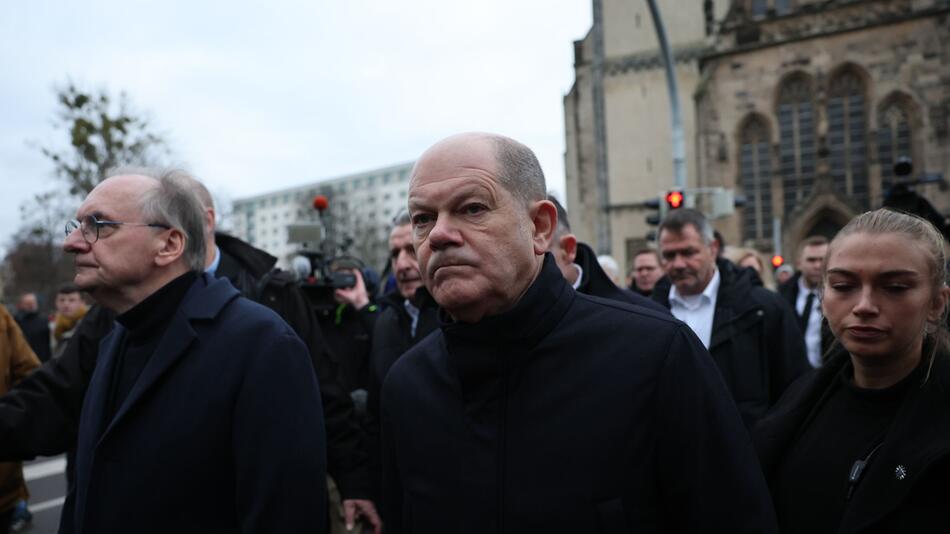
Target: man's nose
{"points": [[444, 234], [678, 261], [404, 261], [75, 243]]}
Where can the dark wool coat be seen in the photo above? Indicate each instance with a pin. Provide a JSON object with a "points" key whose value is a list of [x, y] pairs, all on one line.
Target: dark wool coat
{"points": [[756, 342], [39, 416], [566, 414], [906, 485], [222, 431]]}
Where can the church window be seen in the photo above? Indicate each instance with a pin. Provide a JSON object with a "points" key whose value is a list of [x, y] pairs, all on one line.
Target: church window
{"points": [[755, 178], [847, 138], [797, 148], [894, 137]]}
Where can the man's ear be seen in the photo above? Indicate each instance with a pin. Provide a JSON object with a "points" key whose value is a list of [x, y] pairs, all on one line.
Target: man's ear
{"points": [[210, 220], [544, 218], [568, 244], [171, 247]]}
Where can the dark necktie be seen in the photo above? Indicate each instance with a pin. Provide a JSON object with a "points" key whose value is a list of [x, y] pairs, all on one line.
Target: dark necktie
{"points": [[803, 320]]}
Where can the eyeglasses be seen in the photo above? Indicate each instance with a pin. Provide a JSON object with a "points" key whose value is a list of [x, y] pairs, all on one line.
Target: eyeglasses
{"points": [[92, 228]]}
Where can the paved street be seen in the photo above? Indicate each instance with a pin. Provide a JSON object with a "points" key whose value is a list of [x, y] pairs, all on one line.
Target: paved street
{"points": [[46, 479]]}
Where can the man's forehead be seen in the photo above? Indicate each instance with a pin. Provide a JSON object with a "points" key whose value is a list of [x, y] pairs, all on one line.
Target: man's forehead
{"points": [[814, 250], [456, 157], [400, 235], [117, 194], [686, 233]]}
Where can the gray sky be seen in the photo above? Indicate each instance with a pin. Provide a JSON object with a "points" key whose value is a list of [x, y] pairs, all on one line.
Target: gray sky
{"points": [[256, 96]]}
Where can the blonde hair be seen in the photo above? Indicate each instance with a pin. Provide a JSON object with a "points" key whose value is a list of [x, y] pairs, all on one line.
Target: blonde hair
{"points": [[738, 254], [919, 230]]}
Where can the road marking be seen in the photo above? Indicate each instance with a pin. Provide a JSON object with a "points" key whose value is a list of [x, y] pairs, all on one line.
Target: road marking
{"points": [[46, 505], [44, 469]]}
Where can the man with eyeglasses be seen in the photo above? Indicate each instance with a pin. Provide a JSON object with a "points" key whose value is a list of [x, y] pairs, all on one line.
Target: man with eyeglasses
{"points": [[39, 416], [196, 391]]}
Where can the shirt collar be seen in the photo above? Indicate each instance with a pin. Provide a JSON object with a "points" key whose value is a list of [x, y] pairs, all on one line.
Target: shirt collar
{"points": [[802, 288], [708, 294], [580, 276], [212, 269]]}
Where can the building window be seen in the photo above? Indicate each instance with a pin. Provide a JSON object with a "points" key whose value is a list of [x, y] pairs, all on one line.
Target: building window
{"points": [[371, 181], [894, 137], [755, 178], [783, 6], [760, 8], [796, 123], [847, 138]]}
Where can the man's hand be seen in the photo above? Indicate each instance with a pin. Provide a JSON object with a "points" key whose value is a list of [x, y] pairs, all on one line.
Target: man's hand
{"points": [[354, 509], [355, 296]]}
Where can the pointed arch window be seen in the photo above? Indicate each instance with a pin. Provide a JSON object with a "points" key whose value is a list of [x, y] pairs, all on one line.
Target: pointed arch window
{"points": [[797, 148], [847, 138], [894, 137], [755, 178]]}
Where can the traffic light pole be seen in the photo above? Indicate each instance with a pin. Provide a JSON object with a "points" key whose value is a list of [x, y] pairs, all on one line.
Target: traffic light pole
{"points": [[676, 120]]}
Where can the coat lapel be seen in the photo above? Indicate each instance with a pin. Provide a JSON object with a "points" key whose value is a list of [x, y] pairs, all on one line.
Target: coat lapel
{"points": [[170, 349], [92, 419], [206, 298]]}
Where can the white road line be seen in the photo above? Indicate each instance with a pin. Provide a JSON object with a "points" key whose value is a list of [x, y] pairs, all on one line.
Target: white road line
{"points": [[46, 505], [44, 469]]}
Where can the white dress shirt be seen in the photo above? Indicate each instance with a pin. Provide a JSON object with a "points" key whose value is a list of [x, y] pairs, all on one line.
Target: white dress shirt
{"points": [[697, 311], [813, 328]]}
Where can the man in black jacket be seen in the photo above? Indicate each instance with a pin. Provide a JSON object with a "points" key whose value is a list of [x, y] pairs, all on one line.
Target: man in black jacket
{"points": [[35, 327], [801, 293], [580, 267], [409, 314], [40, 416], [535, 408], [750, 331]]}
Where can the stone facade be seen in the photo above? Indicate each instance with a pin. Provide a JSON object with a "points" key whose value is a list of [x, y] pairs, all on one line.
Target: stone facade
{"points": [[637, 116], [801, 106], [805, 112]]}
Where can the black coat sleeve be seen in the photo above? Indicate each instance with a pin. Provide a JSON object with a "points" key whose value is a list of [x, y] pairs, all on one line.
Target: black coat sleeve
{"points": [[708, 471], [346, 457], [40, 415]]}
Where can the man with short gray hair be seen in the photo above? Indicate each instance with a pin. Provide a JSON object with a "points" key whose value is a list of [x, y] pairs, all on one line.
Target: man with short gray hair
{"points": [[750, 331], [537, 408], [196, 390]]}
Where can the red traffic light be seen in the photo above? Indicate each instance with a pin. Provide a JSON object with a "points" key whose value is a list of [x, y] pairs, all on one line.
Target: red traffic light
{"points": [[777, 261], [674, 199]]}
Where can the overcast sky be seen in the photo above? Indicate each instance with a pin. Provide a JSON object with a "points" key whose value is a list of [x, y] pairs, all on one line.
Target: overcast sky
{"points": [[256, 96]]}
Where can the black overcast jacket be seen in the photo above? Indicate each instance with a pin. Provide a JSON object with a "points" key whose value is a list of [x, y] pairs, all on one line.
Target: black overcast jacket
{"points": [[569, 414], [756, 342], [906, 485]]}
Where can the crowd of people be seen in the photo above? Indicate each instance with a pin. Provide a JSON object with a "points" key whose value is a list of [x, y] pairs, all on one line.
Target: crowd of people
{"points": [[499, 378]]}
